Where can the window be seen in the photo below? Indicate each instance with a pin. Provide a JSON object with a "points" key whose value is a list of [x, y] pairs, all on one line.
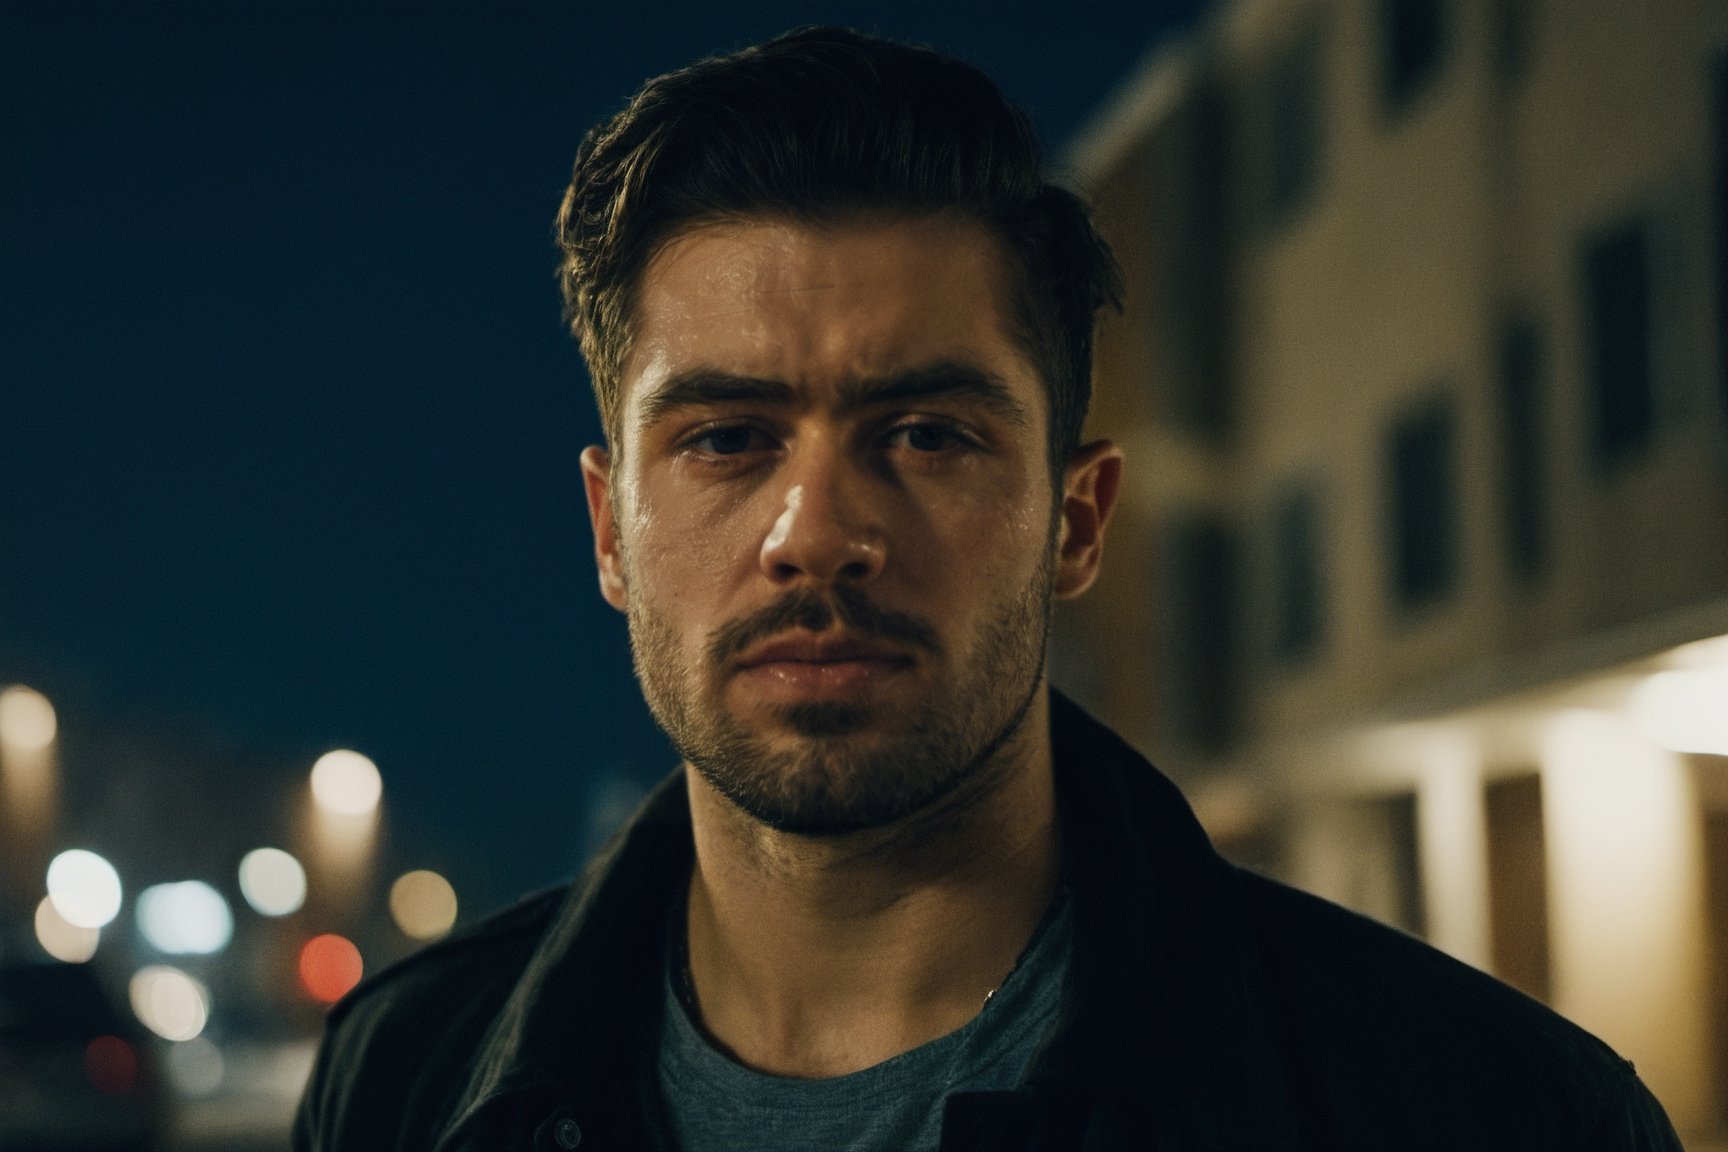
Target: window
{"points": [[1423, 533], [1412, 49], [1298, 622], [1199, 565], [1512, 36], [1185, 210], [1519, 371], [1286, 140], [1617, 335], [1719, 133]]}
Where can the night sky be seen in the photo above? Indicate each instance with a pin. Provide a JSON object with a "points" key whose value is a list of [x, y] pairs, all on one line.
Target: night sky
{"points": [[288, 421]]}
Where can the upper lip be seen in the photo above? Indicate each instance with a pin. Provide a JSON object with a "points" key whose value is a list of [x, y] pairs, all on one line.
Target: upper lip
{"points": [[809, 648]]}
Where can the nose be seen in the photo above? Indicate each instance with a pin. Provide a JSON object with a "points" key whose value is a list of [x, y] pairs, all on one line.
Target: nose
{"points": [[827, 529]]}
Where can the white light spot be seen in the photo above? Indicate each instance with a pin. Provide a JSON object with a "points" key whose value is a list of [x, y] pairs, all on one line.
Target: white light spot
{"points": [[1685, 711], [346, 783], [272, 881], [84, 887], [169, 1002], [783, 527], [185, 918], [62, 940], [27, 720]]}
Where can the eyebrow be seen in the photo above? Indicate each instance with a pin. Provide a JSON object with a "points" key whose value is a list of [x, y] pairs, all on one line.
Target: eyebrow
{"points": [[944, 379]]}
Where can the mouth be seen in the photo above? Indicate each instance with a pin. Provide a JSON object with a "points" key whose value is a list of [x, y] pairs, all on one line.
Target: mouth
{"points": [[808, 665]]}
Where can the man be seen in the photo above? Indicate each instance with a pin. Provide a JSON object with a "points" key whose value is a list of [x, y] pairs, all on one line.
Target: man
{"points": [[901, 894]]}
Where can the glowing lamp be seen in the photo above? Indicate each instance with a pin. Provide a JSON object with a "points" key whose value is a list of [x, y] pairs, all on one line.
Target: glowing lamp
{"points": [[423, 904], [61, 939], [27, 721], [168, 1002], [346, 783], [272, 881], [84, 887], [188, 918], [329, 966]]}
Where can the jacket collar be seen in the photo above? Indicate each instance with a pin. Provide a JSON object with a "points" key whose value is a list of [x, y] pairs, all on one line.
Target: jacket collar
{"points": [[1168, 1012]]}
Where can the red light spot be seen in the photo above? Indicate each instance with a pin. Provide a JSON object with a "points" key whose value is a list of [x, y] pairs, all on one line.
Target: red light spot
{"points": [[329, 966], [111, 1065]]}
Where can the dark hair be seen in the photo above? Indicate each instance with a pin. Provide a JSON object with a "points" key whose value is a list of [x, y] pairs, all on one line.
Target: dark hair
{"points": [[815, 125]]}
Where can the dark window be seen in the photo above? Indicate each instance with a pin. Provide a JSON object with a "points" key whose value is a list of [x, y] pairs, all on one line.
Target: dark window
{"points": [[1186, 218], [1288, 138], [1412, 48], [1719, 129], [1511, 32], [1423, 498], [1617, 334], [1298, 599], [1520, 370], [1200, 613]]}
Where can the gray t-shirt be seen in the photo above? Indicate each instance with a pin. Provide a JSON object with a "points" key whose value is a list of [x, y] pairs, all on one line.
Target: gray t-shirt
{"points": [[713, 1103]]}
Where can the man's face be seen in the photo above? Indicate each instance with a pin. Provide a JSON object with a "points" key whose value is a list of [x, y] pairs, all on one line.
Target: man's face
{"points": [[831, 523]]}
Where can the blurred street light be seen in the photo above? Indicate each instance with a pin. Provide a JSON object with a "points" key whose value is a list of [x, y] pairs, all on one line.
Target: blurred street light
{"points": [[62, 939], [346, 783], [272, 881], [84, 887], [423, 904], [27, 721], [169, 1002], [185, 918]]}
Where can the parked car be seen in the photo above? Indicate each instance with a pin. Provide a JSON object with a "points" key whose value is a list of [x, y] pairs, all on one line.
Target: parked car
{"points": [[77, 1073]]}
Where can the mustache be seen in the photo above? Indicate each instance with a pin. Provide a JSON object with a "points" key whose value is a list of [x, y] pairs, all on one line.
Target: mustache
{"points": [[816, 612]]}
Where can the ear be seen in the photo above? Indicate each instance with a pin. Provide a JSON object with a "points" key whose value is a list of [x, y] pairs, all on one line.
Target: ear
{"points": [[597, 480], [1089, 487]]}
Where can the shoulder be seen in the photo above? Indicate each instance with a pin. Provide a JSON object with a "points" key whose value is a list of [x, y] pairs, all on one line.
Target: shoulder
{"points": [[401, 1043], [1385, 1033]]}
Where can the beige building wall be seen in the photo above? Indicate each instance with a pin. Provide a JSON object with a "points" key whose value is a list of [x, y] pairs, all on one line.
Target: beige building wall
{"points": [[1424, 763]]}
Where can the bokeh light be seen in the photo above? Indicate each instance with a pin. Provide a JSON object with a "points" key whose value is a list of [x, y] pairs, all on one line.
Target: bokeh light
{"points": [[63, 940], [169, 1003], [27, 721], [329, 966], [1684, 711], [185, 918], [84, 887], [196, 1067], [111, 1065], [346, 783], [423, 904], [272, 881]]}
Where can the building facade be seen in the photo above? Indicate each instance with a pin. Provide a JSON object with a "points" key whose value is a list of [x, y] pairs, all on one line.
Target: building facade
{"points": [[1420, 581]]}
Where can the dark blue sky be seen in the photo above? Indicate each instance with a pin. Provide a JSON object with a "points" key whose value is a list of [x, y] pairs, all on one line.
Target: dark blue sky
{"points": [[288, 422]]}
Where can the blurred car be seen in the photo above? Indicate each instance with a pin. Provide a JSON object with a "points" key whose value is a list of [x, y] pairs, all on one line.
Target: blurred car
{"points": [[76, 1072]]}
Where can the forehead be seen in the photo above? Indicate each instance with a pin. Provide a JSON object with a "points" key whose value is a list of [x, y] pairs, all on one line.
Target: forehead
{"points": [[815, 306]]}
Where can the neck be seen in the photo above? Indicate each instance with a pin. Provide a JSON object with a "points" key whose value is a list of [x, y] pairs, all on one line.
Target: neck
{"points": [[819, 956]]}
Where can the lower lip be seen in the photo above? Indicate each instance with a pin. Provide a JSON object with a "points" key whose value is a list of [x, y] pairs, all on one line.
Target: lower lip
{"points": [[811, 680]]}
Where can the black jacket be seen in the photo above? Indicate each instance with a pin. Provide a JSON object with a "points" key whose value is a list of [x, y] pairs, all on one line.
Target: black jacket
{"points": [[1208, 1008]]}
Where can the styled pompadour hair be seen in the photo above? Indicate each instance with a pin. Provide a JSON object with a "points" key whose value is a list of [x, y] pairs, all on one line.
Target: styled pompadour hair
{"points": [[815, 126]]}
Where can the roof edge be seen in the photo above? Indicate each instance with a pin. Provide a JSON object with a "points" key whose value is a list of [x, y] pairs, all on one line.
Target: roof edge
{"points": [[1143, 98]]}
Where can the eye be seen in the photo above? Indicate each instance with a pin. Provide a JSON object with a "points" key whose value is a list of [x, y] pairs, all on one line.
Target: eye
{"points": [[727, 440], [928, 437]]}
